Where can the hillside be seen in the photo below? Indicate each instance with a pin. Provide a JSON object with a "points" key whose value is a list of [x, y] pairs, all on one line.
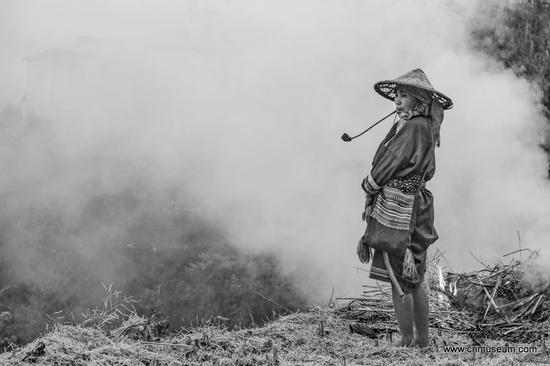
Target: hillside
{"points": [[153, 245], [318, 337], [499, 315]]}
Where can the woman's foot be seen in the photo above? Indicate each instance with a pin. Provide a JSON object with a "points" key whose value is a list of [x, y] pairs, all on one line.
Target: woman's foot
{"points": [[421, 343], [408, 342]]}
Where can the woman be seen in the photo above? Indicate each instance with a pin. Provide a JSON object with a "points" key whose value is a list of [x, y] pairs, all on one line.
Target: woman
{"points": [[398, 208]]}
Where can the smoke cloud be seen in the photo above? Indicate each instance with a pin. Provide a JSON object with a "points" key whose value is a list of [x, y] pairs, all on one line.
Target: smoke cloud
{"points": [[233, 110]]}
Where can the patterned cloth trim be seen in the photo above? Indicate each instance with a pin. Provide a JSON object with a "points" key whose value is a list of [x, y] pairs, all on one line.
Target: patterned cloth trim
{"points": [[379, 272], [393, 208], [407, 184], [373, 183]]}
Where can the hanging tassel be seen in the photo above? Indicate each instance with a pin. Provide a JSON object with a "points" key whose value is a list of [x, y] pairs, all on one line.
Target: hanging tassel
{"points": [[364, 251], [409, 268]]}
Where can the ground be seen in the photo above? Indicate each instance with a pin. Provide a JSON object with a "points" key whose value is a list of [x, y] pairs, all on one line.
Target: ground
{"points": [[317, 337]]}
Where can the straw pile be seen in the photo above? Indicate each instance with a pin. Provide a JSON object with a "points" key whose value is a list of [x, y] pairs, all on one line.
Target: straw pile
{"points": [[318, 337], [505, 301], [497, 302], [115, 335]]}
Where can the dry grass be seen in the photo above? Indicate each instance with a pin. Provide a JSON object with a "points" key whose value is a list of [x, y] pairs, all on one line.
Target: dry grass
{"points": [[115, 335], [286, 341]]}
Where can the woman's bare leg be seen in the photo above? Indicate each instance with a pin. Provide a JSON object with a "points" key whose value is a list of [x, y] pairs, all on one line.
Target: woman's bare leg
{"points": [[404, 313], [421, 305]]}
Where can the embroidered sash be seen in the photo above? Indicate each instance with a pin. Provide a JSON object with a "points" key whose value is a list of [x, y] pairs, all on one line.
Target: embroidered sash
{"points": [[393, 208]]}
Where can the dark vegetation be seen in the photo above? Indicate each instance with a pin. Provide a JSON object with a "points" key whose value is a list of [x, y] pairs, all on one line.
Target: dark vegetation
{"points": [[518, 35], [55, 256], [200, 277]]}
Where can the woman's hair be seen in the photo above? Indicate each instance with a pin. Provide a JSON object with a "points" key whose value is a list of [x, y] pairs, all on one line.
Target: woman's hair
{"points": [[427, 107]]}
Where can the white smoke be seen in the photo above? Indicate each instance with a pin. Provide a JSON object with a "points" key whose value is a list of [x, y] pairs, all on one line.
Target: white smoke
{"points": [[238, 107]]}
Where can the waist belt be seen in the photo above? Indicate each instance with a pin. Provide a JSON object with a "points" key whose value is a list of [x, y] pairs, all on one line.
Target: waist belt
{"points": [[408, 184]]}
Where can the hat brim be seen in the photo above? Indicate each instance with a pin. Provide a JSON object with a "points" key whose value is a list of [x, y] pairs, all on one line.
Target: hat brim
{"points": [[387, 88]]}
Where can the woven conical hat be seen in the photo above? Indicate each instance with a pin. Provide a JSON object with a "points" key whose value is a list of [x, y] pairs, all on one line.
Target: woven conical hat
{"points": [[416, 78]]}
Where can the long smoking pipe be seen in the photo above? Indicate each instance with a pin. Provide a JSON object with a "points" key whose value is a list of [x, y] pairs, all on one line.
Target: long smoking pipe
{"points": [[346, 137]]}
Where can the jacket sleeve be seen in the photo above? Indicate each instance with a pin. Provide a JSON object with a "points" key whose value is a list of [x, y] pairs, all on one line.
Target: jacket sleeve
{"points": [[402, 153]]}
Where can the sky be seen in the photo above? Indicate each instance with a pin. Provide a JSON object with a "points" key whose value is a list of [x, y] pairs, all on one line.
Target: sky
{"points": [[236, 108]]}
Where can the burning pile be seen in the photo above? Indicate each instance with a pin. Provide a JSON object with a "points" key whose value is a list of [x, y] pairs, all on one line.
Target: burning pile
{"points": [[506, 301]]}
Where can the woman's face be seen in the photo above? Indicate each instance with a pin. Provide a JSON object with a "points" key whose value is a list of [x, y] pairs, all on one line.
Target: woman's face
{"points": [[404, 102]]}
